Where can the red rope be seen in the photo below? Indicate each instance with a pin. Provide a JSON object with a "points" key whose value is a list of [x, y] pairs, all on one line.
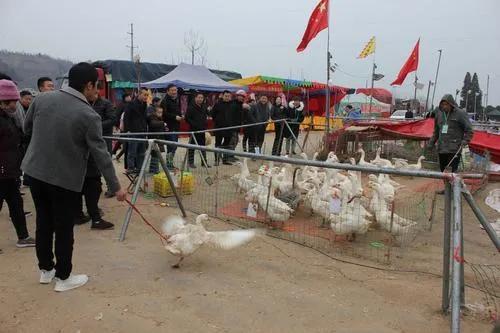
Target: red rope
{"points": [[456, 255], [163, 238]]}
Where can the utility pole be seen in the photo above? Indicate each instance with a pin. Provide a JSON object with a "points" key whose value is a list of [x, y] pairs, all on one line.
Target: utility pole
{"points": [[131, 46], [486, 98], [415, 94], [436, 78], [427, 99]]}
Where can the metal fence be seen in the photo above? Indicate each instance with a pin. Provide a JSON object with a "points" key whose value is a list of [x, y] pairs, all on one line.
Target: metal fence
{"points": [[337, 207]]}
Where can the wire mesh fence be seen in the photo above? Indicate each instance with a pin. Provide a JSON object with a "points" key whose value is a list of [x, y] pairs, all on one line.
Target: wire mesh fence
{"points": [[349, 213]]}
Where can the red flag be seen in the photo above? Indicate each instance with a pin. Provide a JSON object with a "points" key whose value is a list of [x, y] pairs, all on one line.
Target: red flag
{"points": [[410, 65], [317, 22]]}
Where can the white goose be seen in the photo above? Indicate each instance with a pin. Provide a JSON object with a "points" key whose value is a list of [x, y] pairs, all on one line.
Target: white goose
{"points": [[418, 165], [362, 158], [402, 229], [381, 162], [183, 239]]}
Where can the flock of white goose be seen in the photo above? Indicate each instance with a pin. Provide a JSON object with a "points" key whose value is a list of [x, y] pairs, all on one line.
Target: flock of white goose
{"points": [[337, 197]]}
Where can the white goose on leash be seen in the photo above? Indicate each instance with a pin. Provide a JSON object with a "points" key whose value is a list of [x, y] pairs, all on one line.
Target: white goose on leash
{"points": [[183, 238]]}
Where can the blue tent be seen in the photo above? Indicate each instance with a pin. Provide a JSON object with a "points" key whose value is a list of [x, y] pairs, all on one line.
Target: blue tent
{"points": [[191, 77]]}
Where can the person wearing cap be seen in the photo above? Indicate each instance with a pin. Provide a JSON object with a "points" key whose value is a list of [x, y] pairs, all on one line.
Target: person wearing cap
{"points": [[11, 154], [64, 131]]}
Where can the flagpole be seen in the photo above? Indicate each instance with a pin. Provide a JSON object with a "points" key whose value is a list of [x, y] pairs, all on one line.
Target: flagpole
{"points": [[373, 81], [327, 95]]}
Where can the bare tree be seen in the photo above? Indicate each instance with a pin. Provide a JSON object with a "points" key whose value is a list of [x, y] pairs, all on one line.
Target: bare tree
{"points": [[194, 43], [202, 54]]}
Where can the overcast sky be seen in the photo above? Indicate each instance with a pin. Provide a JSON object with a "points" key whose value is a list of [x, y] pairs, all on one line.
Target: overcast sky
{"points": [[260, 36]]}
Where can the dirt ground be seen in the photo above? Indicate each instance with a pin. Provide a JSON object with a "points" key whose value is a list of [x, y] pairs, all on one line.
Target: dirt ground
{"points": [[269, 285]]}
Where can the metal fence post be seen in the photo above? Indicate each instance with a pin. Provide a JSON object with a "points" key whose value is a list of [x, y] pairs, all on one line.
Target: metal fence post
{"points": [[482, 218], [457, 261], [203, 160], [293, 135], [445, 301], [163, 164], [133, 200]]}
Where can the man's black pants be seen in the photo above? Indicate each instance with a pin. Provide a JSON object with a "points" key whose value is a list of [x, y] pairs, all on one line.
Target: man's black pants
{"points": [[9, 192], [56, 210], [92, 189], [447, 159], [200, 141], [260, 134], [222, 140]]}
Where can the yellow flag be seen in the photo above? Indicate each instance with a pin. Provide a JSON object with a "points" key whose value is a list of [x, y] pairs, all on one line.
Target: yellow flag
{"points": [[369, 49]]}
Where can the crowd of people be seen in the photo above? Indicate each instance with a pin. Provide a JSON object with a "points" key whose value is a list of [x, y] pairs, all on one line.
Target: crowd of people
{"points": [[52, 142], [228, 113]]}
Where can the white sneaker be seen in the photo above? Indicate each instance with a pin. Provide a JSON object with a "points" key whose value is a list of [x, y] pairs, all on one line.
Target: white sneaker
{"points": [[72, 282], [47, 276]]}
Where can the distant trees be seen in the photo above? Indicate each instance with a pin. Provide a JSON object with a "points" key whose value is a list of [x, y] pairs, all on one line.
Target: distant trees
{"points": [[471, 95]]}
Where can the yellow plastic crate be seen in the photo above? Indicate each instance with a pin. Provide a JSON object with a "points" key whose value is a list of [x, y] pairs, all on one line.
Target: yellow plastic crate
{"points": [[162, 187]]}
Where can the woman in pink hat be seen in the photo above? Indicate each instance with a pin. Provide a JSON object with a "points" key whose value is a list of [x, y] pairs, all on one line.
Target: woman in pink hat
{"points": [[11, 155]]}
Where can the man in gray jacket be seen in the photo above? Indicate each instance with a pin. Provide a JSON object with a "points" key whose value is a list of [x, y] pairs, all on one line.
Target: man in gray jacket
{"points": [[452, 132], [64, 130]]}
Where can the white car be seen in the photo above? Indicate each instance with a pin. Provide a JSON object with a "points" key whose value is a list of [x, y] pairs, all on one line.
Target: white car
{"points": [[400, 114]]}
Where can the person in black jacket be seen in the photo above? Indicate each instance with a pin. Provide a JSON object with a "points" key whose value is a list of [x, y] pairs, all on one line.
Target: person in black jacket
{"points": [[126, 98], [248, 132], [135, 121], [11, 154], [92, 186], [172, 116], [196, 117], [278, 112], [156, 125], [106, 110], [295, 116], [239, 107], [260, 113], [221, 116]]}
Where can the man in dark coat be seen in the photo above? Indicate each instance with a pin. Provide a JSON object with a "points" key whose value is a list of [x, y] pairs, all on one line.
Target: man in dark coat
{"points": [[238, 109], [196, 117], [106, 110], [135, 121], [452, 132], [156, 125], [409, 113], [11, 155], [260, 113], [92, 186], [172, 115], [221, 116], [278, 112], [248, 131], [295, 116]]}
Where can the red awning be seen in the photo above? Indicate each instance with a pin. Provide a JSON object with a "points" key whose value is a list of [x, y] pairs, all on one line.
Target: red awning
{"points": [[423, 129], [380, 94]]}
